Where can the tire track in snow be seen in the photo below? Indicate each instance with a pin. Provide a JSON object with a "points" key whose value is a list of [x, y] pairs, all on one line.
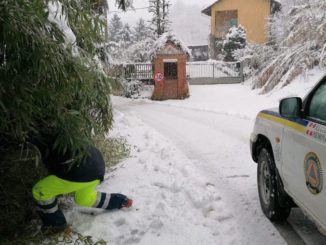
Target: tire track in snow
{"points": [[179, 126]]}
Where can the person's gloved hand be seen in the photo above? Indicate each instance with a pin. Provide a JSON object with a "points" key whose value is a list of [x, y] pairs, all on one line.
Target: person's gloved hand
{"points": [[118, 201]]}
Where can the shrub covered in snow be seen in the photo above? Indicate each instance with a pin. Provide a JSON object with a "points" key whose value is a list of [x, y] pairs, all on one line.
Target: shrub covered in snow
{"points": [[224, 48], [140, 51], [254, 58], [298, 38], [135, 89], [131, 88], [235, 39]]}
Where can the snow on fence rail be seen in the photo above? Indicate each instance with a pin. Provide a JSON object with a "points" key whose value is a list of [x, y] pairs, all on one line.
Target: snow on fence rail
{"points": [[139, 71], [214, 72], [136, 71], [211, 69], [197, 72]]}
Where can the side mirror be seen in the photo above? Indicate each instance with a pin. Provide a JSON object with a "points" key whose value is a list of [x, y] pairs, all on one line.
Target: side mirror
{"points": [[291, 107]]}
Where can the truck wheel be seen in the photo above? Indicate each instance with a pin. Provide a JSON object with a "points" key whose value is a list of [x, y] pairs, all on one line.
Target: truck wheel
{"points": [[267, 188]]}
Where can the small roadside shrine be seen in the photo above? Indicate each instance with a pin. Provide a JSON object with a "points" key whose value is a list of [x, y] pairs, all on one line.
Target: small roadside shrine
{"points": [[169, 59]]}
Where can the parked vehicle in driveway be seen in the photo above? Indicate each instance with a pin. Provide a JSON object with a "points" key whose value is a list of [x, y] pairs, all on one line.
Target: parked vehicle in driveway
{"points": [[289, 145]]}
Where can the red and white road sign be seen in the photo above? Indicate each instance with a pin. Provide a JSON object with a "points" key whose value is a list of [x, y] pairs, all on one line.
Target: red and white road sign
{"points": [[158, 77]]}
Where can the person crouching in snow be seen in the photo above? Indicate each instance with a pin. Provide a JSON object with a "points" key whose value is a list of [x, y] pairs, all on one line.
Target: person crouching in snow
{"points": [[81, 179]]}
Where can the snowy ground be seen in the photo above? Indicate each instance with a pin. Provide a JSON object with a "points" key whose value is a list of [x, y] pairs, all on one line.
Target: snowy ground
{"points": [[190, 172]]}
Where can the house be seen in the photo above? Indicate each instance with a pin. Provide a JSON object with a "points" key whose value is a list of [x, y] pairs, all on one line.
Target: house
{"points": [[199, 52], [251, 14]]}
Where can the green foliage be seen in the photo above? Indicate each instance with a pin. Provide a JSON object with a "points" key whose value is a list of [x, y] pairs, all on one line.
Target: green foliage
{"points": [[47, 82], [50, 79], [235, 39], [43, 83]]}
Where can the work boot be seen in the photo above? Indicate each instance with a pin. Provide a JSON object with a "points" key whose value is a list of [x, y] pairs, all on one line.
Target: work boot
{"points": [[52, 217]]}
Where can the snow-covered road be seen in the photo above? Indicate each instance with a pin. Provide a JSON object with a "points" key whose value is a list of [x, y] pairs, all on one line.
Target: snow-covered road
{"points": [[190, 172], [218, 147]]}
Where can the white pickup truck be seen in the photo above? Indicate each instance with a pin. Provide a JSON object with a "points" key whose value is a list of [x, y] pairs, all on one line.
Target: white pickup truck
{"points": [[289, 145]]}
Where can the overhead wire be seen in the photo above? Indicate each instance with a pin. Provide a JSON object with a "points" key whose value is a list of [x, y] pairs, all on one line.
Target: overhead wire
{"points": [[131, 9], [134, 9]]}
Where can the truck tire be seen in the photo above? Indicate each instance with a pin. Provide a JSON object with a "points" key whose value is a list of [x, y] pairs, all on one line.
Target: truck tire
{"points": [[268, 188]]}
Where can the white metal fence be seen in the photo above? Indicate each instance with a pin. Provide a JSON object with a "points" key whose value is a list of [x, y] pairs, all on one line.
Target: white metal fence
{"points": [[211, 69], [214, 72], [139, 71], [197, 72]]}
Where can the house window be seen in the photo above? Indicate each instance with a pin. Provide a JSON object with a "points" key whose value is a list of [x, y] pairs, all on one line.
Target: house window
{"points": [[224, 20], [170, 70]]}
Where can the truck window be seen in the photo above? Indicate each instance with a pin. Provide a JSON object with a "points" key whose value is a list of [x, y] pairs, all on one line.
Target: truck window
{"points": [[317, 106]]}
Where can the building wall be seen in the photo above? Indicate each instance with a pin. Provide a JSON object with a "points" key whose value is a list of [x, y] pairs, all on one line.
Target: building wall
{"points": [[252, 14], [171, 89]]}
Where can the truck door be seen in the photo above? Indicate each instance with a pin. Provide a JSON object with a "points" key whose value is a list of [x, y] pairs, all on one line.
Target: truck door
{"points": [[304, 155]]}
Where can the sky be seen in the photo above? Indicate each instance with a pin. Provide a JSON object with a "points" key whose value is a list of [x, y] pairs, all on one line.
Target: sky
{"points": [[131, 14], [194, 32]]}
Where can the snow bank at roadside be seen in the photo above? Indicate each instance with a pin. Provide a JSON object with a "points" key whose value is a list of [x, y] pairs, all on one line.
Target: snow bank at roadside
{"points": [[172, 204], [246, 103]]}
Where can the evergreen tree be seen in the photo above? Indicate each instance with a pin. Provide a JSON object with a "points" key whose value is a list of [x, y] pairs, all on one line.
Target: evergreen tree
{"points": [[235, 39], [120, 38], [143, 38], [160, 11], [127, 36], [141, 31], [115, 29], [129, 45]]}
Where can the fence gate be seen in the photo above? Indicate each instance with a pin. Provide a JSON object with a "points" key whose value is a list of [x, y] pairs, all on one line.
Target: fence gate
{"points": [[214, 72]]}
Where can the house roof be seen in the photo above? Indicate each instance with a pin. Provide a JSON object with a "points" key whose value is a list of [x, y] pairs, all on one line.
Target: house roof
{"points": [[169, 37], [207, 10], [275, 7]]}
